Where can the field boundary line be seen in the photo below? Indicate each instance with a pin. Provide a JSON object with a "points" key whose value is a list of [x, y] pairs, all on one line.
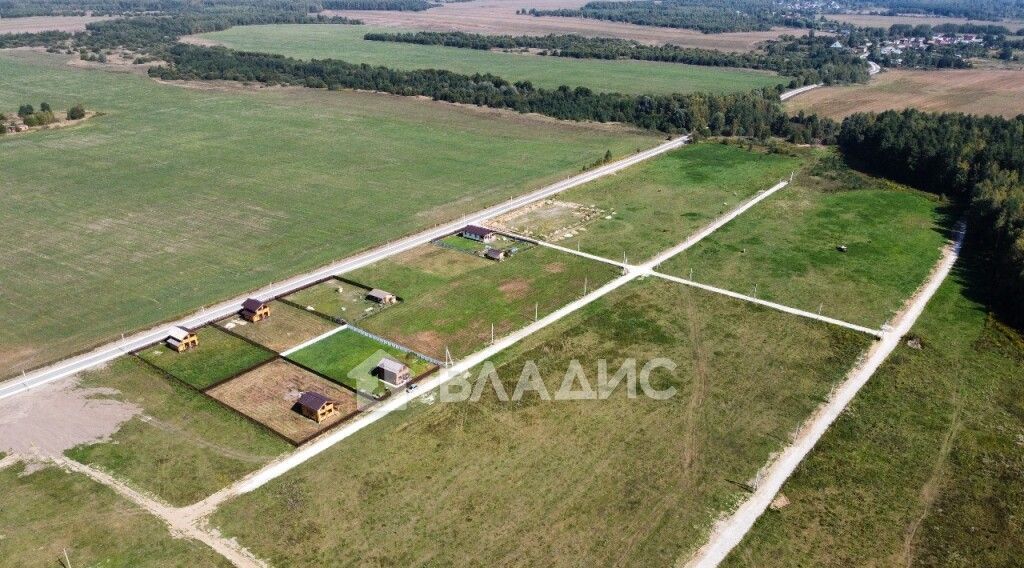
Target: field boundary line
{"points": [[773, 305], [730, 531], [395, 344], [309, 342], [72, 365]]}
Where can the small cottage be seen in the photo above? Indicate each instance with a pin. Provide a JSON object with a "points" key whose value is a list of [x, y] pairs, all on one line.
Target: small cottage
{"points": [[316, 406], [181, 339], [381, 297], [494, 254], [476, 233], [255, 310], [392, 372]]}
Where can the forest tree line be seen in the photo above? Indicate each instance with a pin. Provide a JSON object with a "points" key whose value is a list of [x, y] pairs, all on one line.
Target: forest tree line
{"points": [[392, 5], [807, 60], [758, 113], [977, 162]]}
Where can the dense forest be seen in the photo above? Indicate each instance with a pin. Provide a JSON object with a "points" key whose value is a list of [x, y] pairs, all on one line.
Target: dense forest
{"points": [[808, 60], [975, 161], [758, 114], [394, 5], [708, 16], [22, 8]]}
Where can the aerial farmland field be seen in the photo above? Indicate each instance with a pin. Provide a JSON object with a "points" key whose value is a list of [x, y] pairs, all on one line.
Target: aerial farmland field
{"points": [[652, 206], [346, 43], [450, 298], [620, 480], [181, 445], [787, 249], [178, 196]]}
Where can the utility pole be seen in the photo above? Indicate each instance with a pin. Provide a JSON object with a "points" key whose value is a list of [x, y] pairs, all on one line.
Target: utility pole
{"points": [[492, 333], [67, 561], [691, 274], [536, 311], [585, 282]]}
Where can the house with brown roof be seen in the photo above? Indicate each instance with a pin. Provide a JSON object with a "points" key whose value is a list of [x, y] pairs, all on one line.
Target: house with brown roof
{"points": [[381, 297], [181, 339], [316, 406], [476, 233], [255, 310], [392, 372]]}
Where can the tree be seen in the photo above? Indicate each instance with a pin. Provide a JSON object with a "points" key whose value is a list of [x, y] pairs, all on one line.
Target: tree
{"points": [[76, 112], [45, 107], [25, 110]]}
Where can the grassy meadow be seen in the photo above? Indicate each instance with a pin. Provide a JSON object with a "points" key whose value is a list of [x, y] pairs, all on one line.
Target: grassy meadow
{"points": [[183, 446], [786, 247], [450, 298], [925, 468], [625, 76], [218, 356], [177, 197], [48, 511], [338, 355], [659, 203], [625, 481]]}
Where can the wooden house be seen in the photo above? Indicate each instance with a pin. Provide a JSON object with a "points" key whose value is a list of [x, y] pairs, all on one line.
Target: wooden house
{"points": [[316, 406], [476, 233], [181, 339], [255, 310], [381, 297], [392, 372]]}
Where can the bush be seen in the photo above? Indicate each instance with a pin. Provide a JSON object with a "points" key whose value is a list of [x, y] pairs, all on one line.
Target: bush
{"points": [[76, 112], [25, 110], [45, 107]]}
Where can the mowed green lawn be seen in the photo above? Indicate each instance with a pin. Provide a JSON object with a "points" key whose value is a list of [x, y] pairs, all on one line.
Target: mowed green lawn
{"points": [[49, 511], [178, 197], [620, 481], [625, 76], [659, 203], [218, 356], [786, 247], [184, 446], [348, 358], [926, 466], [450, 299]]}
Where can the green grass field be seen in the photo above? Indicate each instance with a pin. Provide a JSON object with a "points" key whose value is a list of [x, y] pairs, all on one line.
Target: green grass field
{"points": [[624, 76], [658, 204], [184, 446], [338, 355], [450, 298], [178, 197], [619, 481], [787, 246], [925, 468], [218, 356], [48, 511]]}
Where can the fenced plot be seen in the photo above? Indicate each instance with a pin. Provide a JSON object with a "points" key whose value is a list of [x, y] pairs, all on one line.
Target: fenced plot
{"points": [[268, 394], [336, 298], [219, 356], [286, 327], [451, 300], [348, 357]]}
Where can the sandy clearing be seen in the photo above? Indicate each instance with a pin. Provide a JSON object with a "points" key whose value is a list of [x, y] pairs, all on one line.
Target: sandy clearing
{"points": [[976, 91], [37, 24], [499, 17], [59, 416]]}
